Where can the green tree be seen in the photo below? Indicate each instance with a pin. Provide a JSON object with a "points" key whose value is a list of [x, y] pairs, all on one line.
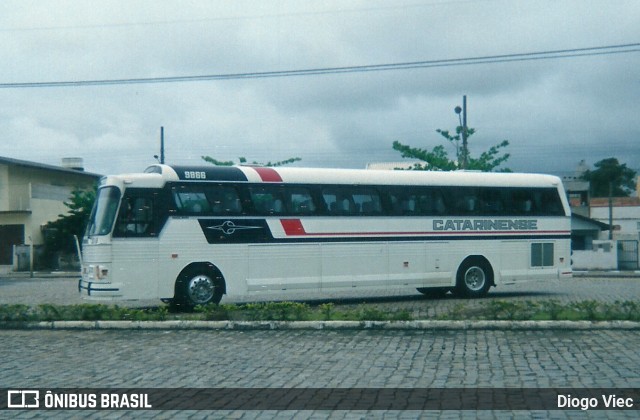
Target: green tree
{"points": [[59, 234], [437, 159], [242, 161], [608, 171]]}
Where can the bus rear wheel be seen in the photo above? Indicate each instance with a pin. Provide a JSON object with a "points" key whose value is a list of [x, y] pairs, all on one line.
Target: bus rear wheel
{"points": [[199, 285], [474, 278]]}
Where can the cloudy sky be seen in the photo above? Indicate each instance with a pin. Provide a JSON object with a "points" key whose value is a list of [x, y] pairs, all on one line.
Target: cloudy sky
{"points": [[554, 111]]}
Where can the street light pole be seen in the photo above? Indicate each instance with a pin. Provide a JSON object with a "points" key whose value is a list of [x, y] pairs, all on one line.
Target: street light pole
{"points": [[162, 145], [465, 150]]}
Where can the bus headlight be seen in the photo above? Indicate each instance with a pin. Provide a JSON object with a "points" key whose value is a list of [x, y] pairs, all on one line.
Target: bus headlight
{"points": [[101, 272]]}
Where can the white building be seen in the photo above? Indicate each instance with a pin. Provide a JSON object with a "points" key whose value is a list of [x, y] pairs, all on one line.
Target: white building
{"points": [[625, 215]]}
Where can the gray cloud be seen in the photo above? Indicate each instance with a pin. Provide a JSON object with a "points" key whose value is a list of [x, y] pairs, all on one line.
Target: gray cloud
{"points": [[554, 112]]}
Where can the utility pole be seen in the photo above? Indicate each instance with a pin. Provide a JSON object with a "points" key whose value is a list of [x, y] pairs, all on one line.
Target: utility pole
{"points": [[610, 210], [465, 149], [162, 145], [463, 123]]}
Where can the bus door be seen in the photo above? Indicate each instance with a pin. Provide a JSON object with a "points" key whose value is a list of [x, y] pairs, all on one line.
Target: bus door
{"points": [[135, 243]]}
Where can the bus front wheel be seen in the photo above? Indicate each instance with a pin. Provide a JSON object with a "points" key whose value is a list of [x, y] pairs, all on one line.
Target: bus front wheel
{"points": [[474, 278], [199, 285]]}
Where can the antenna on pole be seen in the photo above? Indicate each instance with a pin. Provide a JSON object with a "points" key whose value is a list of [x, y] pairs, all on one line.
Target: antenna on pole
{"points": [[463, 124]]}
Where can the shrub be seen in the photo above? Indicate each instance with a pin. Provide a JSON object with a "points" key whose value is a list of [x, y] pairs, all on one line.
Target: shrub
{"points": [[327, 311]]}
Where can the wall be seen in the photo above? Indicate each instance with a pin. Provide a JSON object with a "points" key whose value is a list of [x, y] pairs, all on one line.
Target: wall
{"points": [[604, 256], [626, 213], [4, 187]]}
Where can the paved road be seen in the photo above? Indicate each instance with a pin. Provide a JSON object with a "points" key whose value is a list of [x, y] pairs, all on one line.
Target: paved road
{"points": [[327, 359]]}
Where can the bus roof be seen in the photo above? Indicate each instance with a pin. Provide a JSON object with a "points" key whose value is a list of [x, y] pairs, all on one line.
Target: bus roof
{"points": [[166, 173]]}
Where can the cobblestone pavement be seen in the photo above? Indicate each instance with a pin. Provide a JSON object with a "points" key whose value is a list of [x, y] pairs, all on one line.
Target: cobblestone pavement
{"points": [[322, 359]]}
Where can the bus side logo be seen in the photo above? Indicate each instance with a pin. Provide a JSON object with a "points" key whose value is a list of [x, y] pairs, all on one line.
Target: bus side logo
{"points": [[229, 228], [237, 231]]}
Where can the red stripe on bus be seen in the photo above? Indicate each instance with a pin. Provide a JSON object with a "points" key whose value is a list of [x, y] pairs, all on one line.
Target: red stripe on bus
{"points": [[293, 227], [268, 174]]}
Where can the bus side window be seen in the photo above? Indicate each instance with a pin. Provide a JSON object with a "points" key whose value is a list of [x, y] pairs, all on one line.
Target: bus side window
{"points": [[366, 202], [231, 203], [491, 202], [396, 204], [191, 202], [439, 207], [331, 201], [524, 204], [225, 200], [300, 202], [136, 217], [548, 203], [267, 200], [466, 200], [339, 203]]}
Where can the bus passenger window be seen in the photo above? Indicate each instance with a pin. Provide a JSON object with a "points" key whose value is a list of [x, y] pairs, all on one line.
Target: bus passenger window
{"points": [[338, 204], [403, 204], [136, 217], [367, 202], [301, 202], [224, 200], [331, 201], [409, 206], [193, 202], [267, 201]]}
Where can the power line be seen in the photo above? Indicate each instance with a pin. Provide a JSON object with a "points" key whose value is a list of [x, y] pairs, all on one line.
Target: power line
{"points": [[491, 59], [330, 12]]}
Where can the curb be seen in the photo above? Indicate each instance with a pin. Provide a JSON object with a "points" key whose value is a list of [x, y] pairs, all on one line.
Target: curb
{"points": [[324, 325]]}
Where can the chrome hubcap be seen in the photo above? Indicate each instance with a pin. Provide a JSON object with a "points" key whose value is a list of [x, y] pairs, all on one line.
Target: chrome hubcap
{"points": [[474, 278], [201, 289]]}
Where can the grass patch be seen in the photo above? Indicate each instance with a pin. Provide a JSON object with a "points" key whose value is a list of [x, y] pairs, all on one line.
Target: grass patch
{"points": [[546, 310], [589, 310]]}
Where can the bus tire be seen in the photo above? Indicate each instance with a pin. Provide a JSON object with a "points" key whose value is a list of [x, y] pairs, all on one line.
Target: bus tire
{"points": [[433, 292], [474, 278], [199, 284]]}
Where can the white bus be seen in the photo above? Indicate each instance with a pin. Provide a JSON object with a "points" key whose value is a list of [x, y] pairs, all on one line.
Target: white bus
{"points": [[192, 234]]}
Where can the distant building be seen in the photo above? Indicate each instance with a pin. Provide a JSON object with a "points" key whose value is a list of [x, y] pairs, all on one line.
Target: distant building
{"points": [[578, 190], [32, 194], [625, 214], [604, 235]]}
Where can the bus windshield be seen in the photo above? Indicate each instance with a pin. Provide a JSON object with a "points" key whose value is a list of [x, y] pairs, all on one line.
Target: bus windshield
{"points": [[104, 211]]}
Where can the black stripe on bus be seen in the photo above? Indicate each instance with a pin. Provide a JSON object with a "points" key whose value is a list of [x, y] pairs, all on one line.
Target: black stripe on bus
{"points": [[257, 231], [210, 173]]}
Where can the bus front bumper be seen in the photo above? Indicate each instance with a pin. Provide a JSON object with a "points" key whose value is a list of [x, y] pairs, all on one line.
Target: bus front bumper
{"points": [[99, 289]]}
